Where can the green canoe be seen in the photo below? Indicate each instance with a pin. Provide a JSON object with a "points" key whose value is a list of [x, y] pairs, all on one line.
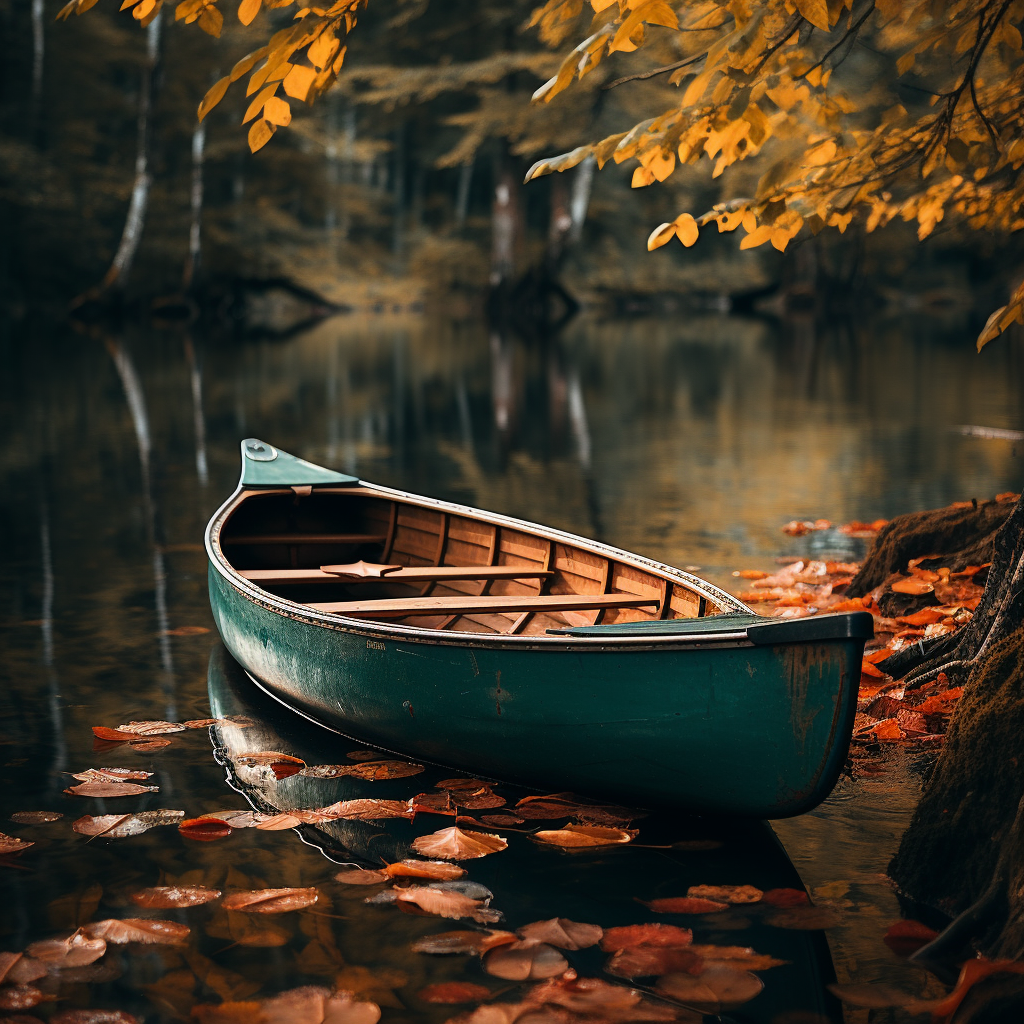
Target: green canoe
{"points": [[513, 651]]}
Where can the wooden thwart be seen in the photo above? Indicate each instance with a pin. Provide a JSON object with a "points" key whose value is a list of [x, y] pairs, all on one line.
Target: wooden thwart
{"points": [[306, 538], [407, 574], [391, 608]]}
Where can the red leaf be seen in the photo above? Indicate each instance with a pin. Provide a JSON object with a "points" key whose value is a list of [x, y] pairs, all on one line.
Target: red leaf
{"points": [[101, 732], [645, 935], [285, 769], [449, 992], [684, 905], [906, 937], [785, 898], [204, 830]]}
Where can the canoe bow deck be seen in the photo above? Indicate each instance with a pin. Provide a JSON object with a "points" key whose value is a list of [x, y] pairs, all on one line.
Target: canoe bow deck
{"points": [[520, 652]]}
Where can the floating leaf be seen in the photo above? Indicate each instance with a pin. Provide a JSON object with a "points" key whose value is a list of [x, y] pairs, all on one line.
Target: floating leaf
{"points": [[12, 844], [21, 970], [500, 820], [137, 929], [111, 775], [804, 918], [237, 819], [7, 961], [647, 961], [119, 826], [265, 758], [361, 876], [525, 960], [454, 844], [726, 893], [478, 942], [645, 935], [445, 903], [563, 933], [785, 898], [461, 785], [201, 723], [377, 771], [432, 803], [101, 732], [35, 817], [164, 897], [424, 869], [271, 901], [718, 988], [204, 830], [906, 937], [93, 1017], [77, 950], [154, 743], [684, 905], [736, 956], [577, 836], [110, 789], [150, 728], [19, 997], [479, 800], [450, 992], [368, 809]]}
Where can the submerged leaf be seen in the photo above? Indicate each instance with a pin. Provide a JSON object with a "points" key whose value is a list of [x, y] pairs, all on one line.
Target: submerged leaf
{"points": [[684, 905], [35, 817], [19, 997], [25, 970], [377, 771], [450, 992], [446, 903], [480, 799], [164, 897], [454, 844], [718, 988], [648, 961], [906, 937], [137, 929], [271, 901], [563, 933], [805, 918], [785, 898], [77, 950], [368, 809], [463, 942], [12, 844], [525, 960]]}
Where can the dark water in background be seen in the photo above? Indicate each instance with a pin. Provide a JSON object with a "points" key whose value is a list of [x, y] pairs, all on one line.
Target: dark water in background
{"points": [[690, 440]]}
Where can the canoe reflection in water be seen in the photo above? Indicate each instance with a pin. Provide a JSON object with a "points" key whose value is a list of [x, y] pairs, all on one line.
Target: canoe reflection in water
{"points": [[681, 918]]}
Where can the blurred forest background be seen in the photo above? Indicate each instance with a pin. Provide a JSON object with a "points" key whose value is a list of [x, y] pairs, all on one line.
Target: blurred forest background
{"points": [[401, 190]]}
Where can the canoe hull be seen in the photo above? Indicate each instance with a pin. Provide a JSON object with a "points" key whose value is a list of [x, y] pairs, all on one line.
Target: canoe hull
{"points": [[716, 728]]}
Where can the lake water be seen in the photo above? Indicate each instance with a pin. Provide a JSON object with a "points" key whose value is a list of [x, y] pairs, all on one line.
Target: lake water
{"points": [[690, 439]]}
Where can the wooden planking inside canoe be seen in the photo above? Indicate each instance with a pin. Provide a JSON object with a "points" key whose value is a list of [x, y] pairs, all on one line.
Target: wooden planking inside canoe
{"points": [[416, 574], [451, 558], [397, 607]]}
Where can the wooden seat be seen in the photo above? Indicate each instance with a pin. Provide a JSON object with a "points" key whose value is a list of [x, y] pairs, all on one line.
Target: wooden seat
{"points": [[306, 538], [411, 574], [394, 608]]}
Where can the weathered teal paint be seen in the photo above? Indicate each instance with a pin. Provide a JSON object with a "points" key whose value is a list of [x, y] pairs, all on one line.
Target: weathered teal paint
{"points": [[263, 465], [709, 723]]}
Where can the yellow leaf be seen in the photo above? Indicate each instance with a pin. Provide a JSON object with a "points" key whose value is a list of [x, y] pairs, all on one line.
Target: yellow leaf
{"points": [[247, 10], [297, 82], [661, 165], [132, 3], [905, 63], [211, 21], [247, 63], [642, 177], [213, 96], [686, 229], [65, 12], [660, 235], [259, 102], [144, 8], [758, 237], [321, 50], [277, 111], [815, 11], [260, 134], [183, 10]]}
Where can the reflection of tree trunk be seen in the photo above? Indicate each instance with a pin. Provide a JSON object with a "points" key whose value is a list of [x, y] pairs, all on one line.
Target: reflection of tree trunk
{"points": [[60, 747], [38, 54], [399, 181], [194, 237], [582, 184], [195, 374], [504, 225], [136, 218], [462, 194], [559, 225], [502, 381]]}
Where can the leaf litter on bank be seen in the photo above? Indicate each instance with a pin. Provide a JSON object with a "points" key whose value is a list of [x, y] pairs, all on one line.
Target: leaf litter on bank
{"points": [[271, 901], [120, 826], [165, 897], [137, 929], [563, 933], [454, 844]]}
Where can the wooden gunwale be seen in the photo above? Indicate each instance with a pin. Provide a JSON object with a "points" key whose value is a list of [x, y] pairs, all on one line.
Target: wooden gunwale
{"points": [[706, 593]]}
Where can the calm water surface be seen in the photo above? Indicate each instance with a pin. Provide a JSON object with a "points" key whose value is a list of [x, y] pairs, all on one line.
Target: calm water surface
{"points": [[689, 440]]}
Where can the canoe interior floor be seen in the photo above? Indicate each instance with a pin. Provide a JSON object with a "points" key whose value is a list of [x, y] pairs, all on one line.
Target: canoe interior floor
{"points": [[350, 547]]}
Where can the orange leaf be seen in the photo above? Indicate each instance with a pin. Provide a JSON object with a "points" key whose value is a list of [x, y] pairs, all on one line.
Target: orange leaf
{"points": [[247, 10], [645, 935], [454, 844], [204, 830], [270, 901], [163, 897]]}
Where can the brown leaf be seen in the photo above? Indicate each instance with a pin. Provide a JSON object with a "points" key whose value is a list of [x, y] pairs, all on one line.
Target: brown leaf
{"points": [[432, 803], [480, 799], [77, 950], [20, 997], [201, 723], [363, 755], [137, 929], [454, 844], [726, 893], [648, 961], [360, 876], [111, 775], [35, 817], [12, 844], [463, 942], [563, 933], [93, 1017], [785, 897], [110, 789], [204, 830], [461, 785], [446, 903], [525, 960], [368, 809], [7, 961], [149, 728], [24, 971], [906, 937], [645, 935], [266, 758], [450, 992], [271, 901], [377, 771], [424, 869], [187, 631], [237, 819], [101, 732], [718, 988], [594, 999], [684, 905], [576, 836], [155, 743], [912, 585], [163, 897], [118, 826], [500, 820]]}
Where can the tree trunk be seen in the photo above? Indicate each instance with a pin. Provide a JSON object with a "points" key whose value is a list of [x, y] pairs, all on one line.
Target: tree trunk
{"points": [[136, 217], [462, 193]]}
